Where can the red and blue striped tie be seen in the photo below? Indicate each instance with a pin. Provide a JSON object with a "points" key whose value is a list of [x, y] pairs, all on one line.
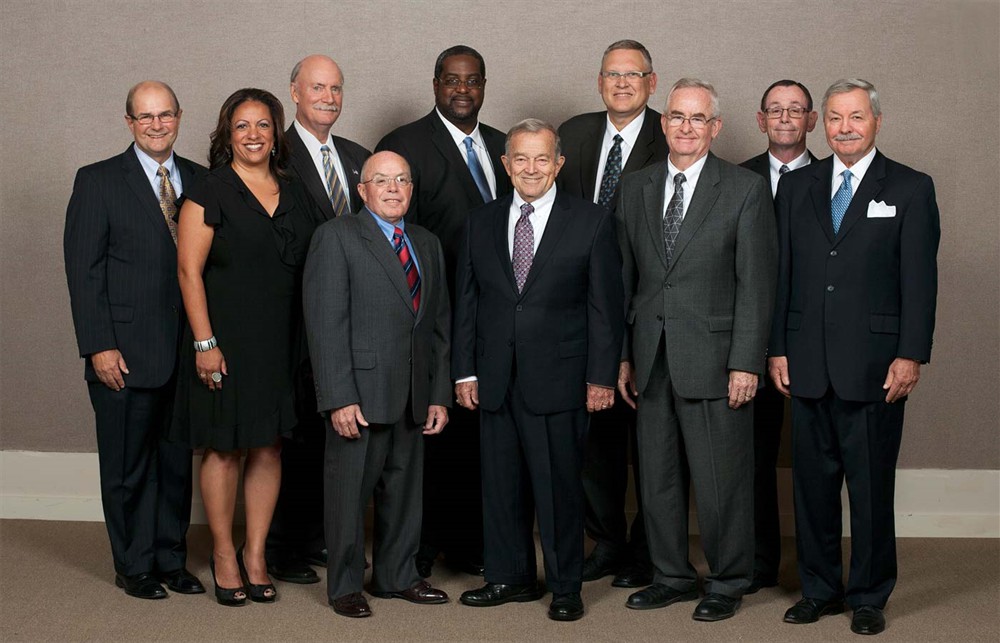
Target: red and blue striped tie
{"points": [[409, 268]]}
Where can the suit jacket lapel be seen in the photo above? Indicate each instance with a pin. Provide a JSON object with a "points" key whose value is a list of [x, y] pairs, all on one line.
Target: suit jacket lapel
{"points": [[499, 171], [820, 194], [644, 143], [306, 170], [653, 206], [500, 214], [590, 157], [869, 188], [382, 250], [352, 169], [559, 218], [704, 197], [446, 146], [424, 258], [138, 182]]}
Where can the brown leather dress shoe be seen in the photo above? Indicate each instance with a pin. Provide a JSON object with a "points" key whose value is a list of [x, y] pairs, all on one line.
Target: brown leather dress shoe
{"points": [[352, 605], [421, 593]]}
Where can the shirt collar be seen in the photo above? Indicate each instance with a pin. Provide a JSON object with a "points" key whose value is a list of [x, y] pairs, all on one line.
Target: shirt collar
{"points": [[857, 170], [799, 161], [312, 143], [457, 134], [628, 133], [385, 226], [691, 174], [542, 202], [151, 165]]}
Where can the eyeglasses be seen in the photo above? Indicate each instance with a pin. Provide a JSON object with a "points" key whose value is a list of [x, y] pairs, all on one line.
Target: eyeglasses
{"points": [[627, 75], [794, 111], [146, 119], [454, 81], [381, 181], [697, 122]]}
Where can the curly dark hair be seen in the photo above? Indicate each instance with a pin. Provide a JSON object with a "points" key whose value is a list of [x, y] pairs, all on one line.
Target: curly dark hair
{"points": [[220, 153]]}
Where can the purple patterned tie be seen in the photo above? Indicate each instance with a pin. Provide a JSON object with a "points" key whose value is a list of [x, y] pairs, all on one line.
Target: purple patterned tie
{"points": [[524, 246]]}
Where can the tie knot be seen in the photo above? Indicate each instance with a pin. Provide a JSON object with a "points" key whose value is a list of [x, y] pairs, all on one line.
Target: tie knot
{"points": [[397, 234], [468, 143], [847, 176], [325, 150], [679, 178], [618, 139], [162, 171], [782, 169], [527, 209]]}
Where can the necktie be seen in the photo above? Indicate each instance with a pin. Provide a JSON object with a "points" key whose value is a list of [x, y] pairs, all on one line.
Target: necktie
{"points": [[524, 246], [842, 199], [782, 169], [612, 173], [673, 216], [333, 188], [168, 200], [409, 268], [477, 171]]}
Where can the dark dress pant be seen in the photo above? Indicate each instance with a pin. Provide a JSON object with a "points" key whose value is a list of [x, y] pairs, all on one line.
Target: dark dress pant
{"points": [[717, 444], [834, 440], [768, 418], [533, 464], [145, 480], [386, 463]]}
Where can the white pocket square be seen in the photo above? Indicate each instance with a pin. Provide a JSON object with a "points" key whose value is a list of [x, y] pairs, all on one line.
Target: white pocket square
{"points": [[879, 210]]}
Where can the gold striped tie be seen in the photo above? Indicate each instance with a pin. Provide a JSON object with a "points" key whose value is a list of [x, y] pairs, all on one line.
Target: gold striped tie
{"points": [[168, 202], [333, 188]]}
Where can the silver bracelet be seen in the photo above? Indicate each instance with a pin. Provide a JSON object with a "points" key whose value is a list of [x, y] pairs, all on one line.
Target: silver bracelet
{"points": [[206, 345]]}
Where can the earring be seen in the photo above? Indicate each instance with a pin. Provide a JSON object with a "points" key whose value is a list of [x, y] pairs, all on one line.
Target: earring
{"points": [[274, 151]]}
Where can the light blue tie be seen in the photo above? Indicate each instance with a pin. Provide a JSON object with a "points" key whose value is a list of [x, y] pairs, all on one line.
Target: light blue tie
{"points": [[477, 171], [842, 199]]}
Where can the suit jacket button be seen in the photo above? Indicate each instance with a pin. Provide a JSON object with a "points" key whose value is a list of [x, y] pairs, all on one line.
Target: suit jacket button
{"points": [[510, 342], [518, 309], [659, 318], [829, 288], [833, 253]]}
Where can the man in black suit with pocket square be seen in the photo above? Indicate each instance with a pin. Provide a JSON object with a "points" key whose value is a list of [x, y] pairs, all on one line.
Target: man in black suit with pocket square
{"points": [[853, 321], [539, 321], [786, 115], [455, 160], [121, 266], [600, 148], [331, 176]]}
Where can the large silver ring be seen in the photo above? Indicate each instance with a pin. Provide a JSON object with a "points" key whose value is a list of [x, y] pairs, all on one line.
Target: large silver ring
{"points": [[216, 377]]}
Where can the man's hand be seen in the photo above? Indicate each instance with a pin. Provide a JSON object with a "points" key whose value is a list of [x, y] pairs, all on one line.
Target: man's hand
{"points": [[901, 379], [626, 383], [347, 420], [777, 368], [437, 417], [467, 394], [109, 366], [599, 398], [742, 388]]}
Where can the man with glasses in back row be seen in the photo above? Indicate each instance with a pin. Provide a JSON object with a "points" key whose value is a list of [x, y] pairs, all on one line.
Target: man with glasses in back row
{"points": [[600, 148], [786, 115], [455, 161]]}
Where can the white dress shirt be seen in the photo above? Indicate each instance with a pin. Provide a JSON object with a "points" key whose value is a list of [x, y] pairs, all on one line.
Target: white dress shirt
{"points": [[691, 176], [151, 166], [801, 160], [478, 145], [857, 172], [628, 133], [313, 145]]}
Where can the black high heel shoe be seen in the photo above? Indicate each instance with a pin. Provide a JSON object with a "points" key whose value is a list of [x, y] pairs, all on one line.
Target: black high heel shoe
{"points": [[258, 593], [224, 595]]}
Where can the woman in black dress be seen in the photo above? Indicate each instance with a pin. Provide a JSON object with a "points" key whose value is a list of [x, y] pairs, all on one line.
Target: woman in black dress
{"points": [[242, 239]]}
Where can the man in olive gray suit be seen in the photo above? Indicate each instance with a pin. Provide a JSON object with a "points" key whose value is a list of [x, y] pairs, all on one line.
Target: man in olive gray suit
{"points": [[699, 260], [377, 319]]}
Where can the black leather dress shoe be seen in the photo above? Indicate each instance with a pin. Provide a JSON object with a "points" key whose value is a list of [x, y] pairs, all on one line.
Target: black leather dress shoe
{"points": [[493, 594], [716, 607], [760, 582], [141, 586], [291, 570], [317, 558], [598, 565], [351, 605], [659, 595], [809, 610], [181, 581], [868, 619], [566, 607], [421, 593], [634, 575]]}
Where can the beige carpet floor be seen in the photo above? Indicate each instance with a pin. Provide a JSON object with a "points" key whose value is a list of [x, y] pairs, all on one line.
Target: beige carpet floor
{"points": [[56, 584]]}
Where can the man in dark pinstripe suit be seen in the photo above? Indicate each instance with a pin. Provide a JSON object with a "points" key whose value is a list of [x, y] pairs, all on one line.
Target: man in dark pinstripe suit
{"points": [[121, 266]]}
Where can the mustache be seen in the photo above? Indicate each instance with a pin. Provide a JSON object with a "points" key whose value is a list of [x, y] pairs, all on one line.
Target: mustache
{"points": [[851, 136]]}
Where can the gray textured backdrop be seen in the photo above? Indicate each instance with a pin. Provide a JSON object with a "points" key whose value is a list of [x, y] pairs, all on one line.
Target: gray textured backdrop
{"points": [[65, 68]]}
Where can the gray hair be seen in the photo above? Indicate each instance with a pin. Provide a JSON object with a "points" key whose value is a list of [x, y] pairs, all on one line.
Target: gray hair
{"points": [[531, 126], [686, 83], [845, 85], [631, 45]]}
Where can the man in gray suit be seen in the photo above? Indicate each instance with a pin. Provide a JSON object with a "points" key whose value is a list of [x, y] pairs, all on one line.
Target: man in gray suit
{"points": [[377, 320], [700, 254]]}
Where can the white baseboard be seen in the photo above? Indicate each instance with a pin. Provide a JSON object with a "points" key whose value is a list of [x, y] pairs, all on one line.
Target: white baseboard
{"points": [[930, 503]]}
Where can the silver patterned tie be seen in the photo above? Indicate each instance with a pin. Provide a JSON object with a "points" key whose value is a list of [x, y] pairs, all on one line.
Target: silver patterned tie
{"points": [[524, 246], [673, 216], [338, 200]]}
